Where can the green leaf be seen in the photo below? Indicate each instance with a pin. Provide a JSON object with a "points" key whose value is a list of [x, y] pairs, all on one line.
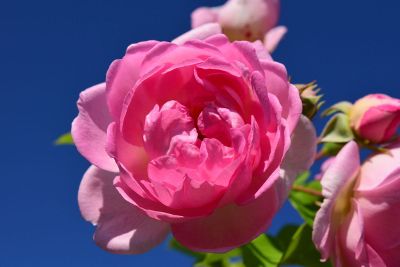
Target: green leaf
{"points": [[177, 246], [301, 250], [262, 252], [331, 149], [65, 139], [305, 203], [337, 130], [229, 259], [343, 107]]}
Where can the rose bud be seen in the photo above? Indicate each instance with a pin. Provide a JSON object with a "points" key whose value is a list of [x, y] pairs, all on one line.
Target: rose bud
{"points": [[376, 117], [248, 20], [358, 223], [199, 137], [310, 98]]}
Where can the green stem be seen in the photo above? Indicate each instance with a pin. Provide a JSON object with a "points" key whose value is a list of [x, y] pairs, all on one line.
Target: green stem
{"points": [[307, 190]]}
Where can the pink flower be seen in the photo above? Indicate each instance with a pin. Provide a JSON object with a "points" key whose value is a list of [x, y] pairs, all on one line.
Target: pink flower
{"points": [[191, 136], [249, 20], [358, 223], [376, 117]]}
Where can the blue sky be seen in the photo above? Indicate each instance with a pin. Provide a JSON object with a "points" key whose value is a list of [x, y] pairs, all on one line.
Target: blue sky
{"points": [[51, 50]]}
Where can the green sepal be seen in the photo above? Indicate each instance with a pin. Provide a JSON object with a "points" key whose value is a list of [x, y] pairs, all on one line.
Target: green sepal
{"points": [[337, 130], [341, 107], [331, 149], [310, 98]]}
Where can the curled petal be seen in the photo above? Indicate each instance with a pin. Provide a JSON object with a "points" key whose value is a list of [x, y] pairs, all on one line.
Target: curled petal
{"points": [[372, 177], [300, 155], [273, 37], [161, 125], [90, 126], [199, 33], [123, 74], [342, 170], [204, 15], [288, 95], [121, 227], [229, 227]]}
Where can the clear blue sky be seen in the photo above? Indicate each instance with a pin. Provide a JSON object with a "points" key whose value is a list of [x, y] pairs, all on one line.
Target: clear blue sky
{"points": [[51, 50]]}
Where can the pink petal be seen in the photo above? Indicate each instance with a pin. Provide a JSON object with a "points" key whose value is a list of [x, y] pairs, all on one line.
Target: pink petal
{"points": [[344, 168], [90, 126], [288, 95], [123, 73], [161, 125], [381, 224], [153, 209], [380, 123], [351, 239], [179, 188], [300, 155], [273, 37], [215, 122], [262, 52], [161, 86], [268, 175], [377, 169], [204, 15], [229, 227], [121, 227], [200, 33], [239, 52]]}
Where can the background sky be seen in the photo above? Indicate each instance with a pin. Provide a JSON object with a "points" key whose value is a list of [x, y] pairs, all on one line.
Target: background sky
{"points": [[51, 50]]}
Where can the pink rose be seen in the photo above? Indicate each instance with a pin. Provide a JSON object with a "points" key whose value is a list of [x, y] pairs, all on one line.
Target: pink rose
{"points": [[376, 117], [358, 223], [249, 20], [189, 136]]}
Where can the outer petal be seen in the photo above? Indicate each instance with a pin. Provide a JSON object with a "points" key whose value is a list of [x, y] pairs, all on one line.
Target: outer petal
{"points": [[300, 155], [381, 224], [377, 169], [123, 74], [204, 15], [230, 226], [273, 37], [351, 249], [90, 126], [344, 168], [199, 33], [288, 95], [121, 227]]}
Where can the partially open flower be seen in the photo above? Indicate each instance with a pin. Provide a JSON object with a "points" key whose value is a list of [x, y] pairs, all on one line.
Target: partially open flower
{"points": [[376, 117], [248, 20], [358, 223]]}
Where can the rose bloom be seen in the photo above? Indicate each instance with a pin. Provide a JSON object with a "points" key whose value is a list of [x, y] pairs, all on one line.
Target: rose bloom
{"points": [[358, 223], [376, 117], [191, 137], [245, 20]]}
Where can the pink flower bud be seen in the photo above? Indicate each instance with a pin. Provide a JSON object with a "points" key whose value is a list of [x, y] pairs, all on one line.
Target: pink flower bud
{"points": [[376, 117], [248, 20]]}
